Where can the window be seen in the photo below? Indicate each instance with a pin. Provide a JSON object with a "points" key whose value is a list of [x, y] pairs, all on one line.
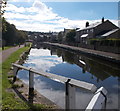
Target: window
{"points": [[91, 30]]}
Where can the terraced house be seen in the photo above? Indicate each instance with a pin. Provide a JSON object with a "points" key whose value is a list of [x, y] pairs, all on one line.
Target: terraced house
{"points": [[103, 29]]}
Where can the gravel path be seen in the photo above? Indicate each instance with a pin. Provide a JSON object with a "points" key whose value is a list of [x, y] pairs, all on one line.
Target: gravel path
{"points": [[6, 53]]}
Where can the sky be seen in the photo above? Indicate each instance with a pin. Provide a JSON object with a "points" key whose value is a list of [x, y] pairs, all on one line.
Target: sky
{"points": [[51, 15]]}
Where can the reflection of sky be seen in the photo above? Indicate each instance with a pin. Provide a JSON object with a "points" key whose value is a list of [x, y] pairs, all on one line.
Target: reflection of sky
{"points": [[55, 91], [41, 59]]}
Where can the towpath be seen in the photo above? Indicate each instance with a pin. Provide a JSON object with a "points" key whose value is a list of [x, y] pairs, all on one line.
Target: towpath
{"points": [[6, 53]]}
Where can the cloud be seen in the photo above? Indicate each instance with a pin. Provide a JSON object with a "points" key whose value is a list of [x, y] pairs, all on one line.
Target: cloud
{"points": [[20, 0], [39, 17], [38, 9], [13, 8]]}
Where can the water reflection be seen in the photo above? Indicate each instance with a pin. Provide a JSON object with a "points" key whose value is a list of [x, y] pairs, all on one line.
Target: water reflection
{"points": [[72, 65], [98, 68]]}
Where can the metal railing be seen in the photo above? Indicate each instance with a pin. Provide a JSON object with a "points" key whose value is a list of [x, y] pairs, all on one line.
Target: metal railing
{"points": [[96, 102]]}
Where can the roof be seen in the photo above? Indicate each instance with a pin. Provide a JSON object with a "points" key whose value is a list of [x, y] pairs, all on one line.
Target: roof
{"points": [[110, 32], [92, 25], [78, 30]]}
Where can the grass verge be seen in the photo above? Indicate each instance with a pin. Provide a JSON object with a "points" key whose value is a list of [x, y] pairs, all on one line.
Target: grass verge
{"points": [[9, 102], [5, 48]]}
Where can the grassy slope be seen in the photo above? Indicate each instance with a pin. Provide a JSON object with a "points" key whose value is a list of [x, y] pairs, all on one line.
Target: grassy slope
{"points": [[8, 99]]}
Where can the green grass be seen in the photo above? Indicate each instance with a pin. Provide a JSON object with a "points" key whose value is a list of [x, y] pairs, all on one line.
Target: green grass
{"points": [[8, 98], [5, 48], [0, 48]]}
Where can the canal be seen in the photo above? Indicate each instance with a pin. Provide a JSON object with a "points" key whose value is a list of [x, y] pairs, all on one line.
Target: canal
{"points": [[73, 65]]}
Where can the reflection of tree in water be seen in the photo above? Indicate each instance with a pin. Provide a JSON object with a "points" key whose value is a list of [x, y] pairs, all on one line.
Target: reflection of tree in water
{"points": [[97, 67], [97, 70], [59, 53], [100, 70], [53, 51], [68, 57], [83, 70]]}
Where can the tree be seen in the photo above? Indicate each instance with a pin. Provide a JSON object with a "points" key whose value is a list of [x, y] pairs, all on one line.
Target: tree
{"points": [[22, 36], [3, 25], [2, 10], [60, 37], [70, 36], [2, 6], [11, 35]]}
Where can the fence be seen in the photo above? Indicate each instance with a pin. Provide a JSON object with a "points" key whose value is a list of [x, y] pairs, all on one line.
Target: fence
{"points": [[97, 102]]}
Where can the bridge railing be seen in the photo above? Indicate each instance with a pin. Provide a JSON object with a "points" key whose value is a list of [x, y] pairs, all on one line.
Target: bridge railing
{"points": [[97, 102]]}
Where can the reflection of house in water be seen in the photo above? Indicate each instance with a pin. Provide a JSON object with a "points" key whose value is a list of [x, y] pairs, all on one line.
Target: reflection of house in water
{"points": [[83, 62], [98, 68]]}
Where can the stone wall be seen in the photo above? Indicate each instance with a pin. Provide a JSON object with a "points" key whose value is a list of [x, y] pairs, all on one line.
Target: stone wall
{"points": [[109, 49], [101, 48]]}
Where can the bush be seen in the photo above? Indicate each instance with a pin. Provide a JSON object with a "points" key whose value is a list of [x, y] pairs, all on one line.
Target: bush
{"points": [[106, 42], [70, 36]]}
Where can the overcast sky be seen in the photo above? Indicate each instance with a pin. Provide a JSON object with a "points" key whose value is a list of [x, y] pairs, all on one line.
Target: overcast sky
{"points": [[55, 16]]}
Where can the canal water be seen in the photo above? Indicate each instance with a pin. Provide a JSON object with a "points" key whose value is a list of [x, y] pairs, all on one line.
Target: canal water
{"points": [[73, 65]]}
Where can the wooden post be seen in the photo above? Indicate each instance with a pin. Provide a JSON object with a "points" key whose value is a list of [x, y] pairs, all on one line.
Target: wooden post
{"points": [[70, 96], [15, 70], [31, 86]]}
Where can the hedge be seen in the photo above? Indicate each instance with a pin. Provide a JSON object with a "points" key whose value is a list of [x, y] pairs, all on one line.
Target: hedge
{"points": [[106, 42]]}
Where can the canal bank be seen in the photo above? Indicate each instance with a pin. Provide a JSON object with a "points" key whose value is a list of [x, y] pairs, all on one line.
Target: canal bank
{"points": [[100, 54]]}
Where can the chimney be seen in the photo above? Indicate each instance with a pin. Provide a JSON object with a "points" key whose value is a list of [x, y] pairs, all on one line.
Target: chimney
{"points": [[103, 20], [87, 24]]}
